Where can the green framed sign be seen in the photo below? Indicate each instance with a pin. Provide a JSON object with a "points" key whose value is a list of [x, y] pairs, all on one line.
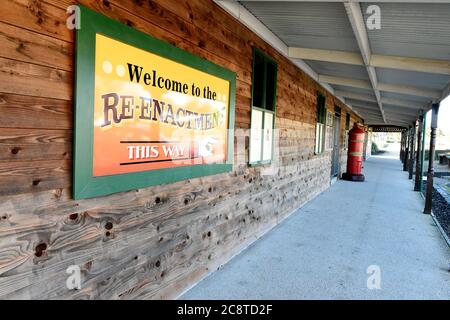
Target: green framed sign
{"points": [[146, 112]]}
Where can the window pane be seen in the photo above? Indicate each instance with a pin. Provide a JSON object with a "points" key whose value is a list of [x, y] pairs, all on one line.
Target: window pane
{"points": [[256, 136], [258, 81], [271, 82], [268, 136], [321, 110], [320, 137], [323, 137]]}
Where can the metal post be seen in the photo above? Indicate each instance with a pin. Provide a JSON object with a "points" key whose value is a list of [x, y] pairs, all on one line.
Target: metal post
{"points": [[411, 152], [424, 130], [405, 156], [366, 141], [429, 195], [419, 154], [402, 142]]}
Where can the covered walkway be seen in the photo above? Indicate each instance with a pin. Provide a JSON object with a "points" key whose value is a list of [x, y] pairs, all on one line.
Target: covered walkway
{"points": [[324, 249]]}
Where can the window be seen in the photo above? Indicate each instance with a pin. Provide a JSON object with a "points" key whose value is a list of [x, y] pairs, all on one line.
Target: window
{"points": [[320, 126], [264, 85], [347, 129]]}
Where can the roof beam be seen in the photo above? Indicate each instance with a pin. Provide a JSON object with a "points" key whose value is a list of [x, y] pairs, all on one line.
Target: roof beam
{"points": [[367, 114], [364, 109], [390, 101], [364, 84], [405, 119], [408, 112], [410, 64], [359, 29], [375, 60], [399, 111], [346, 57], [389, 114], [367, 110], [349, 82], [404, 103], [356, 96], [409, 90]]}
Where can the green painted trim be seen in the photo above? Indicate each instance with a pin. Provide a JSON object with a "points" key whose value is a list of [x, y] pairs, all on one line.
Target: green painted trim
{"points": [[347, 121], [321, 118], [85, 185], [263, 109]]}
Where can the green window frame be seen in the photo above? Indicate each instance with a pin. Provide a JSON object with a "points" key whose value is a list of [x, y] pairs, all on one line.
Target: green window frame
{"points": [[321, 123], [85, 185], [347, 121], [263, 106]]}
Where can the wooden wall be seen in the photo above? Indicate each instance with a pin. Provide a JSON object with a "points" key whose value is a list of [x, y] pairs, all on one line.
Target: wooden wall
{"points": [[152, 242]]}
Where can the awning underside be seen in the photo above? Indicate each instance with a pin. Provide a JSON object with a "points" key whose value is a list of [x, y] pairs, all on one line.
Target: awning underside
{"points": [[387, 75]]}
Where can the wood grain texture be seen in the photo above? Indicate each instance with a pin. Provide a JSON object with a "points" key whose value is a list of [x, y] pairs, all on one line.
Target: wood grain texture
{"points": [[24, 45], [150, 243], [23, 78], [34, 112], [32, 144]]}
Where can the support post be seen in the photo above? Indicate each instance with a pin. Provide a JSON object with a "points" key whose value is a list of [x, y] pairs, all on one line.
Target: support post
{"points": [[422, 167], [405, 156], [429, 195], [402, 142], [412, 154], [419, 154]]}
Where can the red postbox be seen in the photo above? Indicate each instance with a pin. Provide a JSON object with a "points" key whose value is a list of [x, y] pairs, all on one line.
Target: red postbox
{"points": [[355, 154]]}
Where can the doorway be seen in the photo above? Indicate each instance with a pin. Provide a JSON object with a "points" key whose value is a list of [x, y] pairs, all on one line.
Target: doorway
{"points": [[335, 163]]}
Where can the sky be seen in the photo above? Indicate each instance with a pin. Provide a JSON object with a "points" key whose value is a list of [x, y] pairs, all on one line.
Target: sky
{"points": [[443, 116], [443, 125]]}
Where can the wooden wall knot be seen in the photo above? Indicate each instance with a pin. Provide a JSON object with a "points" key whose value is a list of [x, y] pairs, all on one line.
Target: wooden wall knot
{"points": [[21, 47], [58, 192], [73, 216], [40, 249], [15, 150]]}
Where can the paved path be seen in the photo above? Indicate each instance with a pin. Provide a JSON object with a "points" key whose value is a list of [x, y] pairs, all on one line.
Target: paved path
{"points": [[324, 249]]}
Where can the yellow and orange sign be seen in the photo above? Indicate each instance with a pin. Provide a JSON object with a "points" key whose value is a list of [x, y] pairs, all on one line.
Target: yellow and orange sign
{"points": [[151, 112]]}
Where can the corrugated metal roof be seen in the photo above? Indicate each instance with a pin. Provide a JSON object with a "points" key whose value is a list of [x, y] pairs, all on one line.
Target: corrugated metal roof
{"points": [[306, 24], [367, 104], [412, 78], [396, 109], [412, 30], [417, 30], [339, 69], [393, 95], [354, 90]]}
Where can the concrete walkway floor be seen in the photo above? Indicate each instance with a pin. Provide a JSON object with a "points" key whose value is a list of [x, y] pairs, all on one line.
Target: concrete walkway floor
{"points": [[323, 250]]}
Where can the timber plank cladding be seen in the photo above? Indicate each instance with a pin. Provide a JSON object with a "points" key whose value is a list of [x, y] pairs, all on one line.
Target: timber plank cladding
{"points": [[155, 242]]}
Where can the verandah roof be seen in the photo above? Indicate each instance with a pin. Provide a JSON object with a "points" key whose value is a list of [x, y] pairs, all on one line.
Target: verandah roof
{"points": [[386, 75]]}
